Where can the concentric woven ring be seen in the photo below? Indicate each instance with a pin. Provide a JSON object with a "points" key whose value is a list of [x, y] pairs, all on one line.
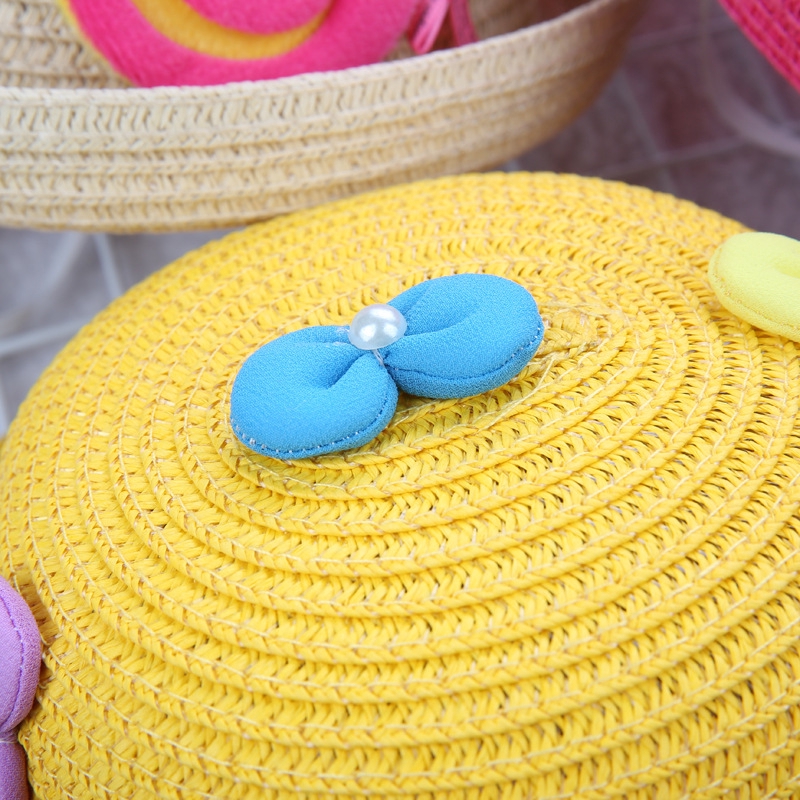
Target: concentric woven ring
{"points": [[582, 584]]}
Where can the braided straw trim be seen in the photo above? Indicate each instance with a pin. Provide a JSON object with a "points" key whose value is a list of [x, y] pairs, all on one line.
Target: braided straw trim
{"points": [[39, 49], [126, 160], [580, 585]]}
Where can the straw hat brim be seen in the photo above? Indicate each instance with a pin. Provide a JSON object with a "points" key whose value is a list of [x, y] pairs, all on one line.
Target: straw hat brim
{"points": [[581, 584], [119, 159]]}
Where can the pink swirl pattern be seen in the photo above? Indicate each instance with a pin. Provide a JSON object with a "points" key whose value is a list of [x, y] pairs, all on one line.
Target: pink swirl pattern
{"points": [[353, 33], [258, 16]]}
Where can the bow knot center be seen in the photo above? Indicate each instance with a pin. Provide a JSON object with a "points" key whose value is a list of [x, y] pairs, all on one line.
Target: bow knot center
{"points": [[376, 326]]}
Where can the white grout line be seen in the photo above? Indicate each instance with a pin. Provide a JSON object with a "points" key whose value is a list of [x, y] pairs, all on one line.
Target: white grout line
{"points": [[108, 264], [30, 340]]}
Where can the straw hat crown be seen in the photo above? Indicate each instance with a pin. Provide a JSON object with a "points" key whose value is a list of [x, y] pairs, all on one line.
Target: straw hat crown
{"points": [[581, 584]]}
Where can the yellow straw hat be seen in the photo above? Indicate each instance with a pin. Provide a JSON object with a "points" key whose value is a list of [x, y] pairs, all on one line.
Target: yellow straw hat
{"points": [[582, 584]]}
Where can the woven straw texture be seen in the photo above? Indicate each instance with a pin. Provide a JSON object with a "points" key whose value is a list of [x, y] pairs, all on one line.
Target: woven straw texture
{"points": [[81, 151], [580, 585], [774, 27]]}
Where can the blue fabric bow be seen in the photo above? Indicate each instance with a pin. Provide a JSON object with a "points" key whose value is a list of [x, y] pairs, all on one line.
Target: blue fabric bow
{"points": [[312, 392]]}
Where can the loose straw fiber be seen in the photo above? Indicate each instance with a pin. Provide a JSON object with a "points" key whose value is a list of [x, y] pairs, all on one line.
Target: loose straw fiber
{"points": [[80, 151], [580, 585]]}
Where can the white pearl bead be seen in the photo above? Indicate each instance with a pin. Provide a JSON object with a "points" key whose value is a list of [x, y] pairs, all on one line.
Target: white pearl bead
{"points": [[376, 326]]}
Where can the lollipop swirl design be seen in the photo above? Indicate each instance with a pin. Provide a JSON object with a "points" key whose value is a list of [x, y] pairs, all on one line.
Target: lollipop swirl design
{"points": [[201, 42]]}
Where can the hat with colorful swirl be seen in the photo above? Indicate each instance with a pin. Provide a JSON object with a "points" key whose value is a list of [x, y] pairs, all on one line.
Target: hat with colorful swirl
{"points": [[201, 42]]}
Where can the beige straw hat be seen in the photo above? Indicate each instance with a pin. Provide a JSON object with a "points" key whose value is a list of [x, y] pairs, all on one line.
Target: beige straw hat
{"points": [[81, 150]]}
